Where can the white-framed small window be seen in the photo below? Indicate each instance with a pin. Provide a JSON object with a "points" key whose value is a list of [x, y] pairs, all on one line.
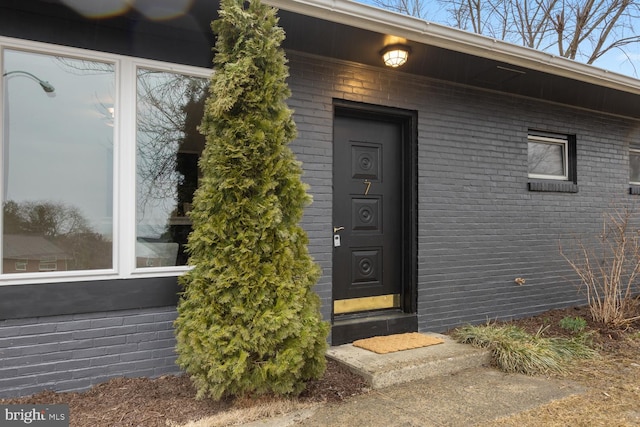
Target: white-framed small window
{"points": [[21, 265], [634, 166], [548, 157], [48, 264]]}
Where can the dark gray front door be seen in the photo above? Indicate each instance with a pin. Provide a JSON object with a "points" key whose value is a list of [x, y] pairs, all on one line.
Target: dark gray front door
{"points": [[367, 215]]}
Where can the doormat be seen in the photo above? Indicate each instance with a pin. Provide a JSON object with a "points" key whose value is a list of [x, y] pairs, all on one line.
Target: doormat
{"points": [[398, 342]]}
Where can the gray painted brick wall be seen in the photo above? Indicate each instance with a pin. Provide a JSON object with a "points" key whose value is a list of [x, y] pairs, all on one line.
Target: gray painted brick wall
{"points": [[76, 351], [479, 226]]}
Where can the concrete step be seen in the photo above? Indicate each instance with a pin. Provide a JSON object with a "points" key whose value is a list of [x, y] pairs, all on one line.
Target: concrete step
{"points": [[383, 370]]}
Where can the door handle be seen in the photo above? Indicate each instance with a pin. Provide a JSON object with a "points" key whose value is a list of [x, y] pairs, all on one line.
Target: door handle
{"points": [[336, 229]]}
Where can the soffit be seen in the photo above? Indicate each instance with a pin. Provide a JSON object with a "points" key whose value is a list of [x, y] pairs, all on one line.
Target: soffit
{"points": [[492, 65]]}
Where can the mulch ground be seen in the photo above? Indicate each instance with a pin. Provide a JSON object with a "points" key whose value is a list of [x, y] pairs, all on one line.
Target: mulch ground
{"points": [[604, 339], [151, 402]]}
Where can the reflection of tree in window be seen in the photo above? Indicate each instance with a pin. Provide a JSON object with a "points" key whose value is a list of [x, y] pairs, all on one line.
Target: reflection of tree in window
{"points": [[80, 67], [546, 159], [169, 110], [63, 226]]}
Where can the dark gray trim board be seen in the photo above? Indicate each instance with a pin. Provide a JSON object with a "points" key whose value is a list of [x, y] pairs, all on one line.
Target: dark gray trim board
{"points": [[183, 40], [553, 186], [51, 299], [347, 330]]}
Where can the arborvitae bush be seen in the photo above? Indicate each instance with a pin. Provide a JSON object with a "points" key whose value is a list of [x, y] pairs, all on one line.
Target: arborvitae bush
{"points": [[248, 318]]}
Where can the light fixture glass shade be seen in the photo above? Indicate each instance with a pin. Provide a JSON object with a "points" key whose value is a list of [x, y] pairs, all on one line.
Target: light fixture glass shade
{"points": [[395, 56]]}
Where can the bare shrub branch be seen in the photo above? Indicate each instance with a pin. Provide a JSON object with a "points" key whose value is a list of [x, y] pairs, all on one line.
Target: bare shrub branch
{"points": [[608, 267]]}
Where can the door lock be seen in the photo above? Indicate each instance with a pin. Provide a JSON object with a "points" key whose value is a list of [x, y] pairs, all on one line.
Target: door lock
{"points": [[336, 237]]}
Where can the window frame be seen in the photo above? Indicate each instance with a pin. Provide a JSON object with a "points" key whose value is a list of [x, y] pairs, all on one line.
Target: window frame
{"points": [[175, 69], [633, 150], [553, 183], [49, 263], [124, 162], [21, 264], [564, 143], [79, 54]]}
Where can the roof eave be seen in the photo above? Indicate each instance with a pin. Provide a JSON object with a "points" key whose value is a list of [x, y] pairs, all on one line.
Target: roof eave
{"points": [[374, 19]]}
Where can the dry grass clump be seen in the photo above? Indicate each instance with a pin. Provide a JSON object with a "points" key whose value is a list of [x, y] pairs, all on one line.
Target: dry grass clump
{"points": [[269, 408], [516, 351]]}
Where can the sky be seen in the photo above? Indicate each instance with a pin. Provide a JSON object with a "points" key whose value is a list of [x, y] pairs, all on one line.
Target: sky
{"points": [[618, 62]]}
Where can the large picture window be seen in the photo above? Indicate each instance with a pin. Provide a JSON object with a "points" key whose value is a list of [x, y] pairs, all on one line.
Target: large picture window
{"points": [[57, 162], [99, 163]]}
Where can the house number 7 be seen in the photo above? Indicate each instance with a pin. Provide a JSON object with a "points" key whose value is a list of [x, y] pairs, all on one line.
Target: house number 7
{"points": [[368, 184]]}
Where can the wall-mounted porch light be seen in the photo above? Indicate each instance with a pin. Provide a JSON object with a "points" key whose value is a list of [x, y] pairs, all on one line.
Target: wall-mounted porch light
{"points": [[395, 55]]}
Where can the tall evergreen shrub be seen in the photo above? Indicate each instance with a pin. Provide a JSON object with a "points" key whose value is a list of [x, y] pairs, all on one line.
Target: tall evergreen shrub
{"points": [[248, 319]]}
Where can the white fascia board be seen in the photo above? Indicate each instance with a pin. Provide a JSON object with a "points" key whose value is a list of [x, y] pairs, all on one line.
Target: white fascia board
{"points": [[371, 18]]}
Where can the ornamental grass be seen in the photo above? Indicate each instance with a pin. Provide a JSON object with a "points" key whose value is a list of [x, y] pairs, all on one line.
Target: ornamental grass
{"points": [[516, 351]]}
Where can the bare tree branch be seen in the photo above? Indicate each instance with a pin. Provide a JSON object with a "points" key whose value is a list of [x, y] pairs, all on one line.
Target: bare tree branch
{"points": [[582, 30]]}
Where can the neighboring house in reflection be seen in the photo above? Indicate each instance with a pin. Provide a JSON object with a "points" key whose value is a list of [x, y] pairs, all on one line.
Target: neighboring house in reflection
{"points": [[23, 253]]}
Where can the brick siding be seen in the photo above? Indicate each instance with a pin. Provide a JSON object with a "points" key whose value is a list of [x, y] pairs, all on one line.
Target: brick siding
{"points": [[479, 226], [73, 352]]}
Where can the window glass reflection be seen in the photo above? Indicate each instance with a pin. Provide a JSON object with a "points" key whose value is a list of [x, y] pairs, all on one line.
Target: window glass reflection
{"points": [[57, 163], [169, 111], [546, 159]]}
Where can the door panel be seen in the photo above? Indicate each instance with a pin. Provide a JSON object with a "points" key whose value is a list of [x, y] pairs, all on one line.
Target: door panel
{"points": [[368, 203]]}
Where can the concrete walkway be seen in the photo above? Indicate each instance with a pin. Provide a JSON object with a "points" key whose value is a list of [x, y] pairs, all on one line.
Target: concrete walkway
{"points": [[467, 398], [442, 385]]}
